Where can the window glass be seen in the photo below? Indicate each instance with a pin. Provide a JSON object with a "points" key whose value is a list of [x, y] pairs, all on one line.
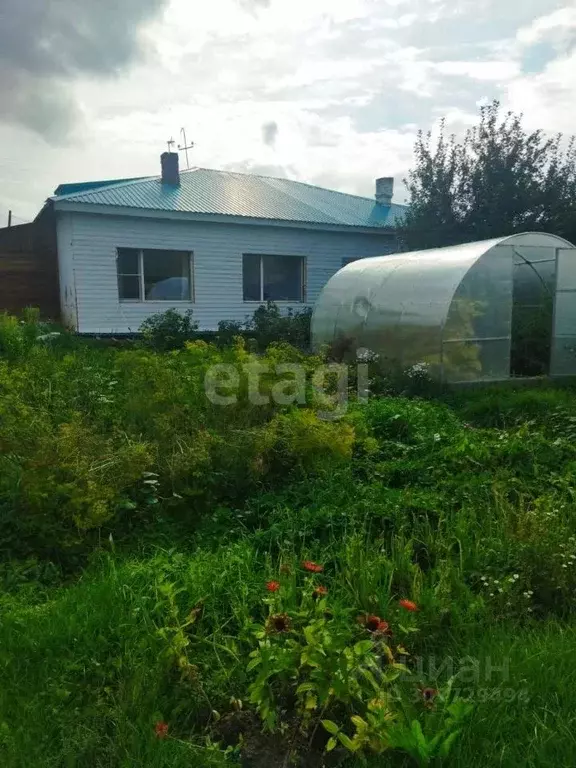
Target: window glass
{"points": [[251, 277], [282, 278], [128, 259], [129, 286], [166, 275]]}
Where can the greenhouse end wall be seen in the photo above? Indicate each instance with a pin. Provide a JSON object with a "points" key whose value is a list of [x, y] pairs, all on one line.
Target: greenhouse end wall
{"points": [[452, 308]]}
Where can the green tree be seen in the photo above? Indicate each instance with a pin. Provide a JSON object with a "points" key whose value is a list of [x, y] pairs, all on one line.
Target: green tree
{"points": [[499, 180]]}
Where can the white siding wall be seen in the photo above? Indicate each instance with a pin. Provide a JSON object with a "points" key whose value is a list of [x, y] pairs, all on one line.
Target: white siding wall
{"points": [[87, 246]]}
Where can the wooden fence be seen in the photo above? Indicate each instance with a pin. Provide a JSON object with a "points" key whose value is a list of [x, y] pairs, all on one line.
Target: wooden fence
{"points": [[29, 269]]}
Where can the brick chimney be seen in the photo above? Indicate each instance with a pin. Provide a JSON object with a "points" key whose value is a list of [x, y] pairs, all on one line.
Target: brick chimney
{"points": [[384, 190], [170, 170]]}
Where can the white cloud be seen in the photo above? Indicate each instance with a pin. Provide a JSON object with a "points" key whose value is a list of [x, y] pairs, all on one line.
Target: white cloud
{"points": [[480, 70], [555, 24], [347, 83], [547, 99]]}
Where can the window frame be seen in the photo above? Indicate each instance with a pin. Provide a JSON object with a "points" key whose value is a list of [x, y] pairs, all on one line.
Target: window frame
{"points": [[141, 279], [303, 277]]}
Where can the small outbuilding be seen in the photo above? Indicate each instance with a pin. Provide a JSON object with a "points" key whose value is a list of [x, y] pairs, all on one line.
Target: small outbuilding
{"points": [[482, 311]]}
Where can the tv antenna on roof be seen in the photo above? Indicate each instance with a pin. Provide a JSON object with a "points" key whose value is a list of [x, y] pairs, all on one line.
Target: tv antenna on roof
{"points": [[170, 142], [185, 147]]}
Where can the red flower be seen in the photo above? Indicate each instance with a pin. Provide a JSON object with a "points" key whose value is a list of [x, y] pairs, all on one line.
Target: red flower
{"points": [[272, 586], [308, 565], [428, 696], [408, 605], [383, 628], [278, 622], [161, 729], [429, 693], [371, 622], [320, 591]]}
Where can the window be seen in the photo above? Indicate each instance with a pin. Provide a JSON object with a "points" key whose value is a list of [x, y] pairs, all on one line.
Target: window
{"points": [[273, 278], [154, 275]]}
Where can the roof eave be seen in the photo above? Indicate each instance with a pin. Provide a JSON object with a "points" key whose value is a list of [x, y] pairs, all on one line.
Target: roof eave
{"points": [[114, 210]]}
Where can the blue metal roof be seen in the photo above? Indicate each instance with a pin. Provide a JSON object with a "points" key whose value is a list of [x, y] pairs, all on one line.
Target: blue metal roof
{"points": [[83, 186], [206, 191]]}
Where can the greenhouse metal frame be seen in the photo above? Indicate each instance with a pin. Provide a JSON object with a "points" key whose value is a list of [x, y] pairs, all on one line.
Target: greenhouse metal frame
{"points": [[466, 312]]}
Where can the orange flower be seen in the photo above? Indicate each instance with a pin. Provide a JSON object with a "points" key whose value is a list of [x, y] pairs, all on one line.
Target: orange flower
{"points": [[308, 565], [408, 605], [161, 729], [278, 622], [320, 591], [272, 586]]}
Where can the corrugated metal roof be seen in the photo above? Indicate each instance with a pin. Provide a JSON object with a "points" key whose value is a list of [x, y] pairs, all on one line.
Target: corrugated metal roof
{"points": [[206, 191], [83, 186]]}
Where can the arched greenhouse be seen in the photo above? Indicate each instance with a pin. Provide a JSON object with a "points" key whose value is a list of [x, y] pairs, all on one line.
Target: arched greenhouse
{"points": [[476, 312]]}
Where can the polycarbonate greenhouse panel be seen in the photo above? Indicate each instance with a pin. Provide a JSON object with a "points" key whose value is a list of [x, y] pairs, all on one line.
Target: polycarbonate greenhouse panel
{"points": [[566, 269], [563, 357], [451, 308], [565, 314], [468, 361], [481, 307]]}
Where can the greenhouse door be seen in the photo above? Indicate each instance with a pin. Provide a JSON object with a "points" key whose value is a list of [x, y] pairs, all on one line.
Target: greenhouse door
{"points": [[563, 358]]}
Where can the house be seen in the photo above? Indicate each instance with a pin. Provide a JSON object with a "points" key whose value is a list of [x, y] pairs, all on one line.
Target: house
{"points": [[216, 242]]}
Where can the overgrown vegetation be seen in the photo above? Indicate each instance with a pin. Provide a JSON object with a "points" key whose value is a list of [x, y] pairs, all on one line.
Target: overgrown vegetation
{"points": [[269, 325], [170, 330], [191, 583]]}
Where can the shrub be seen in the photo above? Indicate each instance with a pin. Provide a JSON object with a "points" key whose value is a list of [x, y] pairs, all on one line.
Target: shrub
{"points": [[168, 330], [269, 325], [171, 329], [70, 479], [227, 331]]}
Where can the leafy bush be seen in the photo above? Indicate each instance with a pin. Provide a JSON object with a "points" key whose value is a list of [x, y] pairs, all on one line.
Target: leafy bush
{"points": [[269, 325], [172, 329], [168, 330], [228, 330]]}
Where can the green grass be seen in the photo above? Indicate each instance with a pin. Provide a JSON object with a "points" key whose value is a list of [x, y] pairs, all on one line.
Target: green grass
{"points": [[538, 731], [140, 524], [86, 674]]}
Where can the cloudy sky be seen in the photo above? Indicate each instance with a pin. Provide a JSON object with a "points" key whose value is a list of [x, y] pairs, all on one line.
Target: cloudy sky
{"points": [[330, 92]]}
